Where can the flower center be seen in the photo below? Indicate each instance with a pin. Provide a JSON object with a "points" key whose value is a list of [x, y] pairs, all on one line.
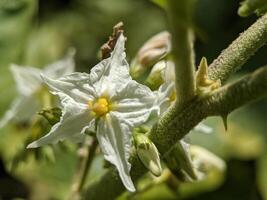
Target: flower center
{"points": [[99, 107]]}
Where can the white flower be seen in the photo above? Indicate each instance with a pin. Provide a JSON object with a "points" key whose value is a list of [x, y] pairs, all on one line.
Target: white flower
{"points": [[28, 82], [107, 98]]}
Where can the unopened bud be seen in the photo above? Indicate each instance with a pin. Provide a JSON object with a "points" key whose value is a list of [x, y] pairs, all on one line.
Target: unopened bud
{"points": [[249, 7], [155, 49], [51, 115], [148, 153], [179, 161], [163, 71], [156, 76]]}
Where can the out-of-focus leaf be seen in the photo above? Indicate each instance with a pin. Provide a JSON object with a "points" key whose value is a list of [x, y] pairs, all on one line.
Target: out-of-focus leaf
{"points": [[16, 20]]}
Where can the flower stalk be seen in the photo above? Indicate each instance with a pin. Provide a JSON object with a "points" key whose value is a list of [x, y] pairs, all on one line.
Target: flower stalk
{"points": [[182, 44]]}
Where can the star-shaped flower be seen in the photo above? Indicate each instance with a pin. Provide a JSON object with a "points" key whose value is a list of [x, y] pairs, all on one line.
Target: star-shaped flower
{"points": [[29, 82], [108, 99]]}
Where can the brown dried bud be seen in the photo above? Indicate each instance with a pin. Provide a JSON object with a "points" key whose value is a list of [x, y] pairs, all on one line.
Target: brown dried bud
{"points": [[108, 47]]}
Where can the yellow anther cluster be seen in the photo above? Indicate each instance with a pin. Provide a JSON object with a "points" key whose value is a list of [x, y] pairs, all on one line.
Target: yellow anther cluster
{"points": [[99, 107]]}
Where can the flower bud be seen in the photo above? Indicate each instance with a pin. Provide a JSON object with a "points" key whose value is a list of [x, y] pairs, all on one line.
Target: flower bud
{"points": [[150, 53], [148, 153], [180, 163], [163, 71], [155, 78], [249, 7], [51, 115]]}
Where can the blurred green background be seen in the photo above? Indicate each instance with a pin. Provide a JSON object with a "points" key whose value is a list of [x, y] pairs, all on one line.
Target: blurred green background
{"points": [[35, 33]]}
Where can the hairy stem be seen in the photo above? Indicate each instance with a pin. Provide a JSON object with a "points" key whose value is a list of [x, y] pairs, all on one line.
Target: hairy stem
{"points": [[180, 21], [234, 95], [232, 58]]}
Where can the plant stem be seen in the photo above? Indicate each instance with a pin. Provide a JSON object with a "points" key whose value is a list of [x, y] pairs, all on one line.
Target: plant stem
{"points": [[83, 169], [88, 162], [180, 22], [241, 49]]}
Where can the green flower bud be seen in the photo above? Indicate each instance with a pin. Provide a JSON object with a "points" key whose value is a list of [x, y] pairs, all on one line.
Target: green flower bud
{"points": [[249, 7], [155, 78], [51, 115], [148, 153], [180, 163]]}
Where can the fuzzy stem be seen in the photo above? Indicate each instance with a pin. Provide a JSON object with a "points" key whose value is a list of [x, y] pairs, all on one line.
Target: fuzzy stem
{"points": [[180, 21], [232, 58], [232, 96]]}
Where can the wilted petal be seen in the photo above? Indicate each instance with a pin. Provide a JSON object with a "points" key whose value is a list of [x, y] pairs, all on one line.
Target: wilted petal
{"points": [[27, 79], [74, 121], [74, 86], [20, 110], [62, 67], [134, 103], [111, 73], [114, 139]]}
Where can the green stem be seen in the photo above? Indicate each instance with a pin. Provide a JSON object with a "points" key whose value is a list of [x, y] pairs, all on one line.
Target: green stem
{"points": [[87, 166], [232, 58], [180, 22], [249, 88]]}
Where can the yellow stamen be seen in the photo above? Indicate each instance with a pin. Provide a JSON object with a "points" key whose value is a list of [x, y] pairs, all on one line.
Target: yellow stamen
{"points": [[99, 107]]}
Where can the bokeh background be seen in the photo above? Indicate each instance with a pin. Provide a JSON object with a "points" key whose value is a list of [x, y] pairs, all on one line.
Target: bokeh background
{"points": [[35, 33]]}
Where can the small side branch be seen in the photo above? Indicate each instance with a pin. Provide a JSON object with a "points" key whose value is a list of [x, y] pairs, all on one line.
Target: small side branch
{"points": [[235, 95], [232, 58]]}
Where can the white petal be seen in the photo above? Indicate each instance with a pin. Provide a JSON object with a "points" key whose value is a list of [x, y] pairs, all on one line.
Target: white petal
{"points": [[27, 79], [111, 73], [62, 67], [74, 121], [73, 86], [134, 103], [114, 139], [169, 72], [163, 96], [203, 128], [22, 109]]}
